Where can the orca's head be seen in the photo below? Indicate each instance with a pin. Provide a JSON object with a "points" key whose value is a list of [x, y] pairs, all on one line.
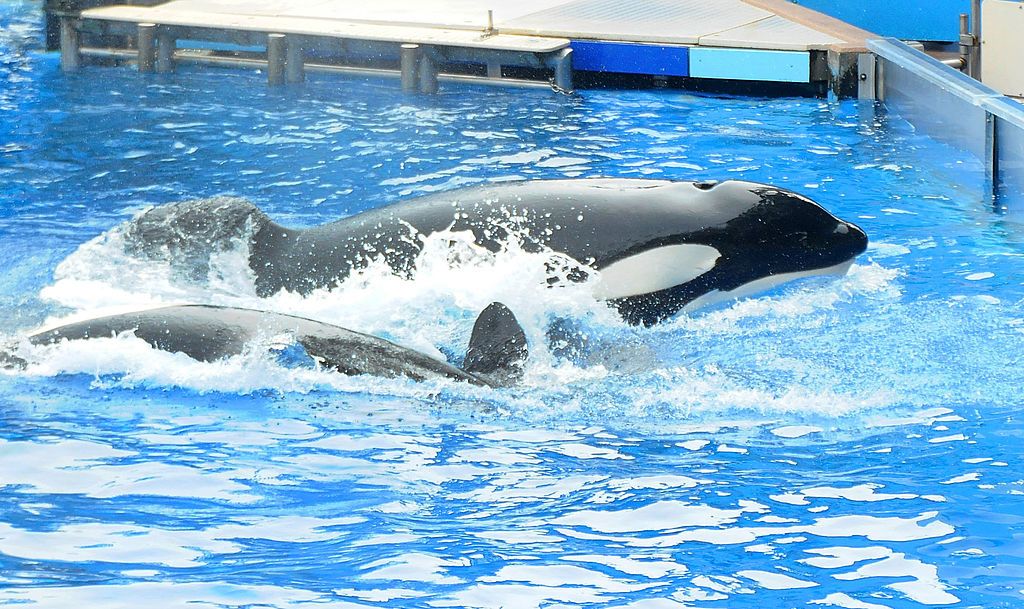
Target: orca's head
{"points": [[779, 231], [733, 239], [769, 235]]}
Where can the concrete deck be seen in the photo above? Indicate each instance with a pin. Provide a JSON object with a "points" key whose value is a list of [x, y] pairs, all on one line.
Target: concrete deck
{"points": [[185, 13], [745, 40], [746, 24]]}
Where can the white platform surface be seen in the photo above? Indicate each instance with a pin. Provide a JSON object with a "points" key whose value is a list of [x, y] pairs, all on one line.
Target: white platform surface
{"points": [[439, 13], [523, 25], [772, 33], [420, 34], [667, 21]]}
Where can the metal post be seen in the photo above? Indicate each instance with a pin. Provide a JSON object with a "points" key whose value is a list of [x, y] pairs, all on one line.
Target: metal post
{"points": [[490, 31], [992, 153], [965, 45], [294, 65], [410, 66], [879, 79], [70, 55], [975, 66], [275, 58], [165, 50], [147, 47], [562, 64], [428, 74]]}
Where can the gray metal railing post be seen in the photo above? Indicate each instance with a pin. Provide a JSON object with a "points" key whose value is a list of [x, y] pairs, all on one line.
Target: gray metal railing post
{"points": [[294, 65], [489, 30], [992, 153], [165, 50], [428, 74], [275, 58], [974, 69], [70, 54], [410, 60], [147, 47]]}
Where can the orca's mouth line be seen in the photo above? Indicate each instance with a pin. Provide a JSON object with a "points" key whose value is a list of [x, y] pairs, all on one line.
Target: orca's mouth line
{"points": [[765, 283]]}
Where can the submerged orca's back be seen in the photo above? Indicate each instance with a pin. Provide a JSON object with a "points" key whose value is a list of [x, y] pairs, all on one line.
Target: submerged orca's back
{"points": [[497, 347]]}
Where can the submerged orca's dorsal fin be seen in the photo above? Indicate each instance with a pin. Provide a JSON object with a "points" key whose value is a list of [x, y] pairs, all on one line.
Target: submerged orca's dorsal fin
{"points": [[497, 348]]}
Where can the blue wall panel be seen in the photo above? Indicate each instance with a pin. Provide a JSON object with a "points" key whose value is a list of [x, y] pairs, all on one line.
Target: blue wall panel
{"points": [[905, 19], [630, 58], [742, 64]]}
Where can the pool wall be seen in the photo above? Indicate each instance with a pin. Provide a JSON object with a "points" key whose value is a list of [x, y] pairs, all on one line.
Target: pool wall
{"points": [[949, 106], [904, 19]]}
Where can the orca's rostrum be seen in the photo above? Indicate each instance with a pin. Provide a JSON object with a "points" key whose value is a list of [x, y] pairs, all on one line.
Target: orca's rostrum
{"points": [[657, 246]]}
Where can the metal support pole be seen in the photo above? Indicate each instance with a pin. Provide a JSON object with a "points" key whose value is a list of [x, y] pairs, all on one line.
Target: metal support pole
{"points": [[165, 50], [562, 64], [70, 55], [410, 66], [879, 79], [974, 69], [276, 44], [490, 31], [294, 65], [965, 38], [992, 153], [147, 47], [428, 74]]}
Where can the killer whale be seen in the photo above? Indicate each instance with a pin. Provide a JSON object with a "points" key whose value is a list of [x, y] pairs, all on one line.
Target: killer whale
{"points": [[497, 347], [658, 246]]}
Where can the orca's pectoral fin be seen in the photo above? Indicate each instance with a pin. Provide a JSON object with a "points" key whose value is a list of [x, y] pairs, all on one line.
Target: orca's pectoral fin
{"points": [[497, 348]]}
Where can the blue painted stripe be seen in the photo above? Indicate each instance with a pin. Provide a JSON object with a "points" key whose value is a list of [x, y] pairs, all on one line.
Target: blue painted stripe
{"points": [[743, 64], [630, 58]]}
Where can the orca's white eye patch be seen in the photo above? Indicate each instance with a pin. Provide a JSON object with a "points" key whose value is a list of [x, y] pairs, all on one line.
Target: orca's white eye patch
{"points": [[655, 269]]}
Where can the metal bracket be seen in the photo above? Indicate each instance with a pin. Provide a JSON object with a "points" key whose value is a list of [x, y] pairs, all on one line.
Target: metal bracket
{"points": [[561, 63], [866, 76]]}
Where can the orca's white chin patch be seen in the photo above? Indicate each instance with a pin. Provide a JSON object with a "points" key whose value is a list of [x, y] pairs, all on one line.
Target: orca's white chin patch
{"points": [[654, 270], [764, 284]]}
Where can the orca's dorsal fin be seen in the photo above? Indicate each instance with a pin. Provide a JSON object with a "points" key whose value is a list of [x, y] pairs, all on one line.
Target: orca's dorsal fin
{"points": [[497, 348]]}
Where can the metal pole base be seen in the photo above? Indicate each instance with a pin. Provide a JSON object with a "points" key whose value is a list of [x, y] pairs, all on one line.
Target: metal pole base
{"points": [[428, 74], [147, 47], [70, 54], [276, 53], [294, 65], [165, 51], [410, 60]]}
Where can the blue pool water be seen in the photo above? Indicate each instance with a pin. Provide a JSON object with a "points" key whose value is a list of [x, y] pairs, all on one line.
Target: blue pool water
{"points": [[850, 443]]}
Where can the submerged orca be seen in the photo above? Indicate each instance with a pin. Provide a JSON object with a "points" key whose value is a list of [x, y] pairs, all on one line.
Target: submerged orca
{"points": [[658, 246], [497, 347]]}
